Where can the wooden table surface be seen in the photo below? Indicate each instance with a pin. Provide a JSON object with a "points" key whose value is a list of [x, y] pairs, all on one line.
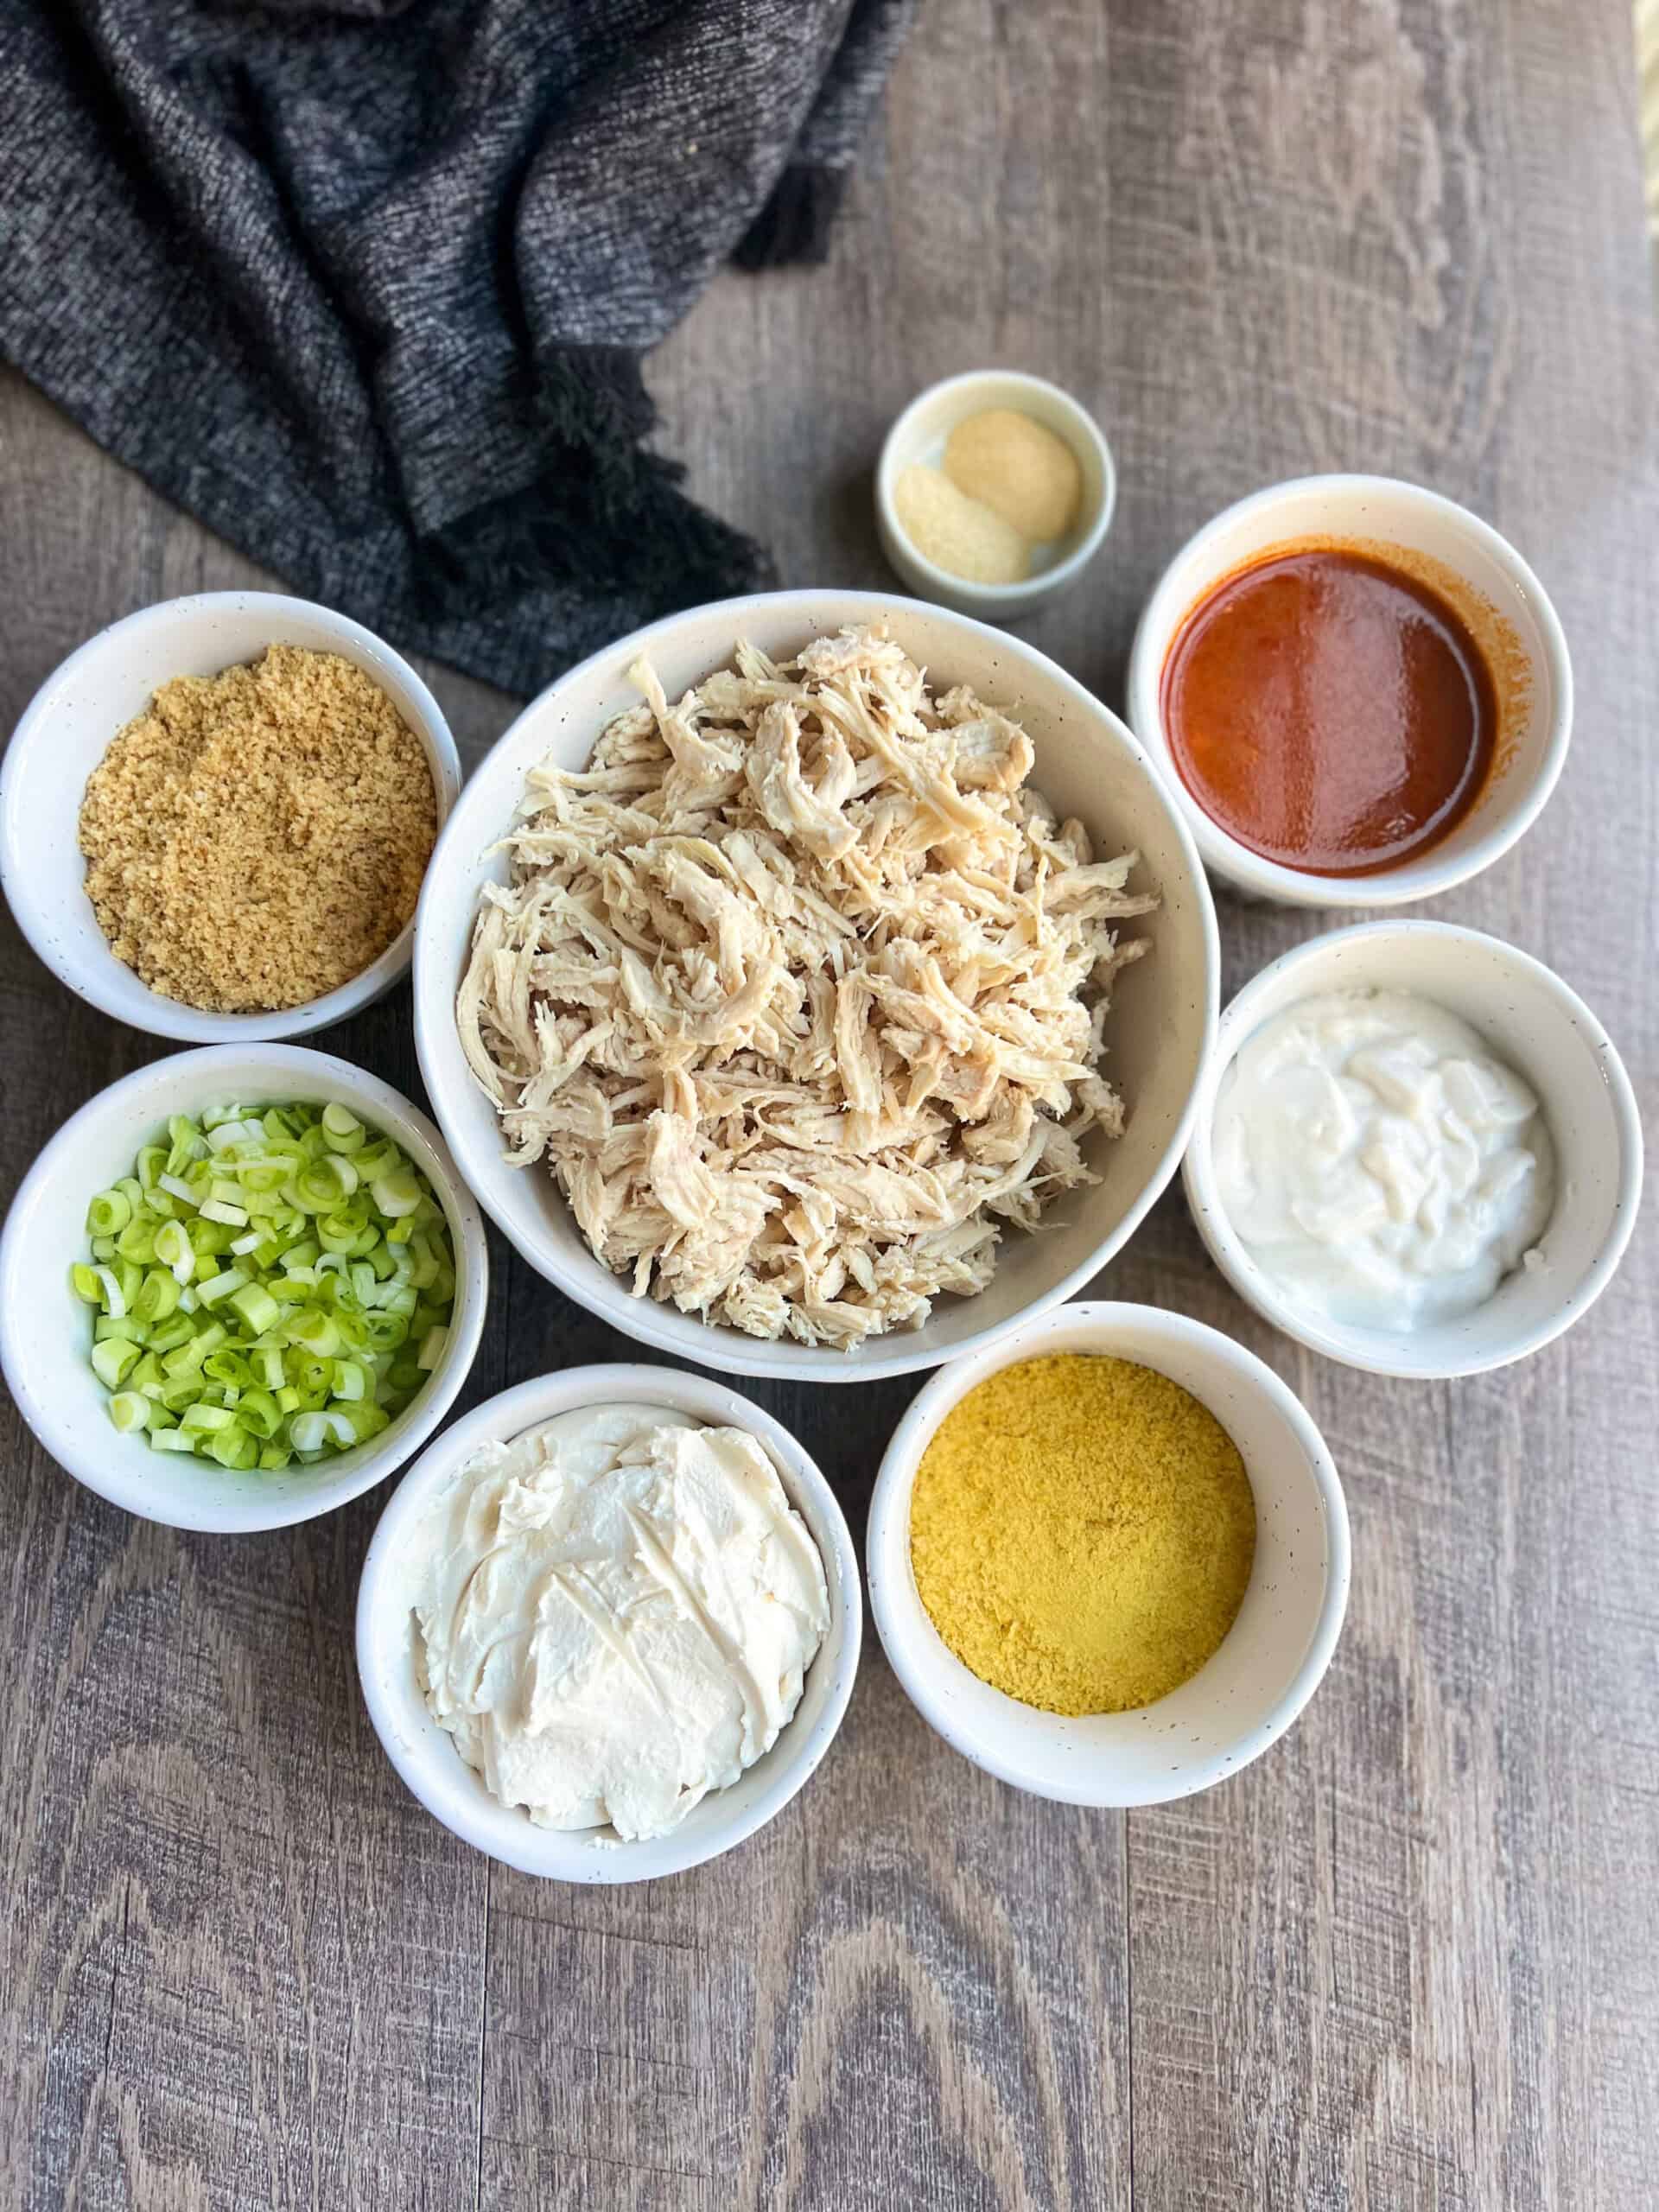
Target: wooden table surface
{"points": [[1411, 1957]]}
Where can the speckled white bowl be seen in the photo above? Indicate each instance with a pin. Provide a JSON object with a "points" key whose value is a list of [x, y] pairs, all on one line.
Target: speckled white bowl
{"points": [[1270, 1661], [425, 1755], [64, 732], [1162, 1019], [1550, 1038], [46, 1332]]}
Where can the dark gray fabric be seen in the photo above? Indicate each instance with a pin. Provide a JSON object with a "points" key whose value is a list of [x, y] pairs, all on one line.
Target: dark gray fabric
{"points": [[365, 285]]}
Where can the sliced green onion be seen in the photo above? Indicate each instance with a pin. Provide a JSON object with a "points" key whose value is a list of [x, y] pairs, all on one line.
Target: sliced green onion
{"points": [[147, 1377], [309, 1432], [137, 1240], [257, 1309], [205, 1418], [173, 1249], [158, 1296], [108, 1214], [397, 1193], [259, 1283], [185, 1359], [316, 1331], [113, 1361], [351, 1381], [233, 1448], [259, 1414]]}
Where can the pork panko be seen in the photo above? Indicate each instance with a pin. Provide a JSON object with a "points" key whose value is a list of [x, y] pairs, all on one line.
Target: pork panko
{"points": [[799, 988]]}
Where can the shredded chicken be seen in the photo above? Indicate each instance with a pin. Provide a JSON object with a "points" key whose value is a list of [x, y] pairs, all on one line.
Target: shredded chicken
{"points": [[800, 989]]}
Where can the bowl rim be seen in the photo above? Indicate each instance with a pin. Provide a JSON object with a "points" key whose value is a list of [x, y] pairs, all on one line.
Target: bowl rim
{"points": [[641, 1318], [908, 1635], [1239, 1022], [437, 1781], [93, 981], [378, 1099], [1024, 591], [1431, 874]]}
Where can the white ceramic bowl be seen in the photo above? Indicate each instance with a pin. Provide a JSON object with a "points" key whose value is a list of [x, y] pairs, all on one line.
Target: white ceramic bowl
{"points": [[919, 435], [66, 728], [1271, 1660], [1549, 1036], [1498, 596], [425, 1755], [1162, 1021], [45, 1332]]}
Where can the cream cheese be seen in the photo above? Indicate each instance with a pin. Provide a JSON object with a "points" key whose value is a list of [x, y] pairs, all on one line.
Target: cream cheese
{"points": [[615, 1615], [1384, 1170]]}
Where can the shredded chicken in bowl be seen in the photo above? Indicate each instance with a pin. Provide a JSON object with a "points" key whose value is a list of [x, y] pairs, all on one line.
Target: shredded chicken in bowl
{"points": [[800, 990]]}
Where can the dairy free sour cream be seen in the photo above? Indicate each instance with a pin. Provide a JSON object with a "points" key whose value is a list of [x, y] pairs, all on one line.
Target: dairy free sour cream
{"points": [[616, 1613], [1384, 1170]]}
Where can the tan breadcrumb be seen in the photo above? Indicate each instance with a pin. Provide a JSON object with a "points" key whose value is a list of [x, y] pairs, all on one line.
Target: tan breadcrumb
{"points": [[257, 838]]}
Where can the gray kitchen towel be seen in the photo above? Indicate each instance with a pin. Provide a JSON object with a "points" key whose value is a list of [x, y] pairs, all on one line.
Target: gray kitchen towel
{"points": [[365, 284]]}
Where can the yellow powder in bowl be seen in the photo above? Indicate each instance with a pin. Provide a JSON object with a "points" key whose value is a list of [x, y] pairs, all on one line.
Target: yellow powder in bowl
{"points": [[956, 533], [255, 839], [1082, 1532], [1019, 469]]}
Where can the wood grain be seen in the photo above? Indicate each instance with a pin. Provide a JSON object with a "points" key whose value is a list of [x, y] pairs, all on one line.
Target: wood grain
{"points": [[1410, 1959]]}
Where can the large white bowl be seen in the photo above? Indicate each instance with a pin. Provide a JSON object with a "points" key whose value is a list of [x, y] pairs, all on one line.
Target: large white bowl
{"points": [[66, 730], [425, 1755], [1271, 1660], [1550, 1038], [46, 1334], [1162, 1023], [1496, 591]]}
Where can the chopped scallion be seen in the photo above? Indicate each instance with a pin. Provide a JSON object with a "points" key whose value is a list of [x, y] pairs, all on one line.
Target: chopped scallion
{"points": [[257, 1285]]}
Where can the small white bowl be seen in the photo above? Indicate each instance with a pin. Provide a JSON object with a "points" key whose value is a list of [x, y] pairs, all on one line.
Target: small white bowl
{"points": [[1088, 765], [425, 1755], [45, 1333], [1549, 1036], [1498, 596], [68, 728], [1271, 1660], [919, 435]]}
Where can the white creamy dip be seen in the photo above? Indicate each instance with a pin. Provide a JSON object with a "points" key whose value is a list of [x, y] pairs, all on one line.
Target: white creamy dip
{"points": [[1383, 1169], [616, 1613]]}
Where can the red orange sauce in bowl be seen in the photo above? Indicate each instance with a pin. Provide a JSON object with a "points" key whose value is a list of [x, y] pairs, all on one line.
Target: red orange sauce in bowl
{"points": [[1330, 711]]}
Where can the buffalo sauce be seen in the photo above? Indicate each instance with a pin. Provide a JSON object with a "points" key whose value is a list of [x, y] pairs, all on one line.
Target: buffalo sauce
{"points": [[1329, 711]]}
